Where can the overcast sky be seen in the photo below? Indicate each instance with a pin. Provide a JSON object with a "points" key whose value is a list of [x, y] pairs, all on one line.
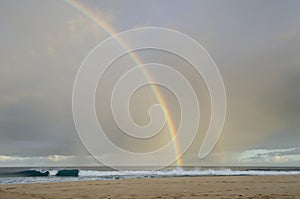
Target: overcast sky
{"points": [[256, 45]]}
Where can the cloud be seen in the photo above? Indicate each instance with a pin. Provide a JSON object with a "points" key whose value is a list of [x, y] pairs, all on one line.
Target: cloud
{"points": [[4, 158], [38, 68], [271, 155], [54, 158], [258, 56], [57, 158], [51, 160]]}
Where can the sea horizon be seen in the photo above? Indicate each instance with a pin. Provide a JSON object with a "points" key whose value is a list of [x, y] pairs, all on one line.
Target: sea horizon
{"points": [[12, 175]]}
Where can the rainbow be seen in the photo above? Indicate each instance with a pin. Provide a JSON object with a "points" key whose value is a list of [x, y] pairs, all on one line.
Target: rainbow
{"points": [[86, 11]]}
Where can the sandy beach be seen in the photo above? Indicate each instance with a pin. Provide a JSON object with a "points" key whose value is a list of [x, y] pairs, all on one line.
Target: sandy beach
{"points": [[183, 187]]}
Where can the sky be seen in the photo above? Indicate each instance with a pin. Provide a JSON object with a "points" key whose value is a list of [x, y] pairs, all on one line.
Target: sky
{"points": [[255, 44]]}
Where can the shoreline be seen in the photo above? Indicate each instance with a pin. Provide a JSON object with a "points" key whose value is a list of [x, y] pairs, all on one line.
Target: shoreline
{"points": [[285, 186]]}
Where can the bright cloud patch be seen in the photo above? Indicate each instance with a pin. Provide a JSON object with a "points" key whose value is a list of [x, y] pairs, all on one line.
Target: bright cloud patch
{"points": [[57, 158], [37, 160], [5, 158]]}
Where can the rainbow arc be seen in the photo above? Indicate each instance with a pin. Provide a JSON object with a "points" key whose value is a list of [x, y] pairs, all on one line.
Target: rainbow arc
{"points": [[86, 11]]}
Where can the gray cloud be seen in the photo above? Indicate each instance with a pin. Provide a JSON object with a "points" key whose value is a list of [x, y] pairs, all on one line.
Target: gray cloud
{"points": [[256, 50], [272, 156]]}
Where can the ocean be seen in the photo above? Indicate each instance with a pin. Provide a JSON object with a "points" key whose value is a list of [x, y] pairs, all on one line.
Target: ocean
{"points": [[12, 175]]}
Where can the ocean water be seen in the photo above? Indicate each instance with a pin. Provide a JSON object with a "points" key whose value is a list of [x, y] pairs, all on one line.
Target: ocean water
{"points": [[103, 173]]}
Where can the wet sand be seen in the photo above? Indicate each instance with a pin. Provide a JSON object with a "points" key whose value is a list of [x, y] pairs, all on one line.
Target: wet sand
{"points": [[184, 187]]}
